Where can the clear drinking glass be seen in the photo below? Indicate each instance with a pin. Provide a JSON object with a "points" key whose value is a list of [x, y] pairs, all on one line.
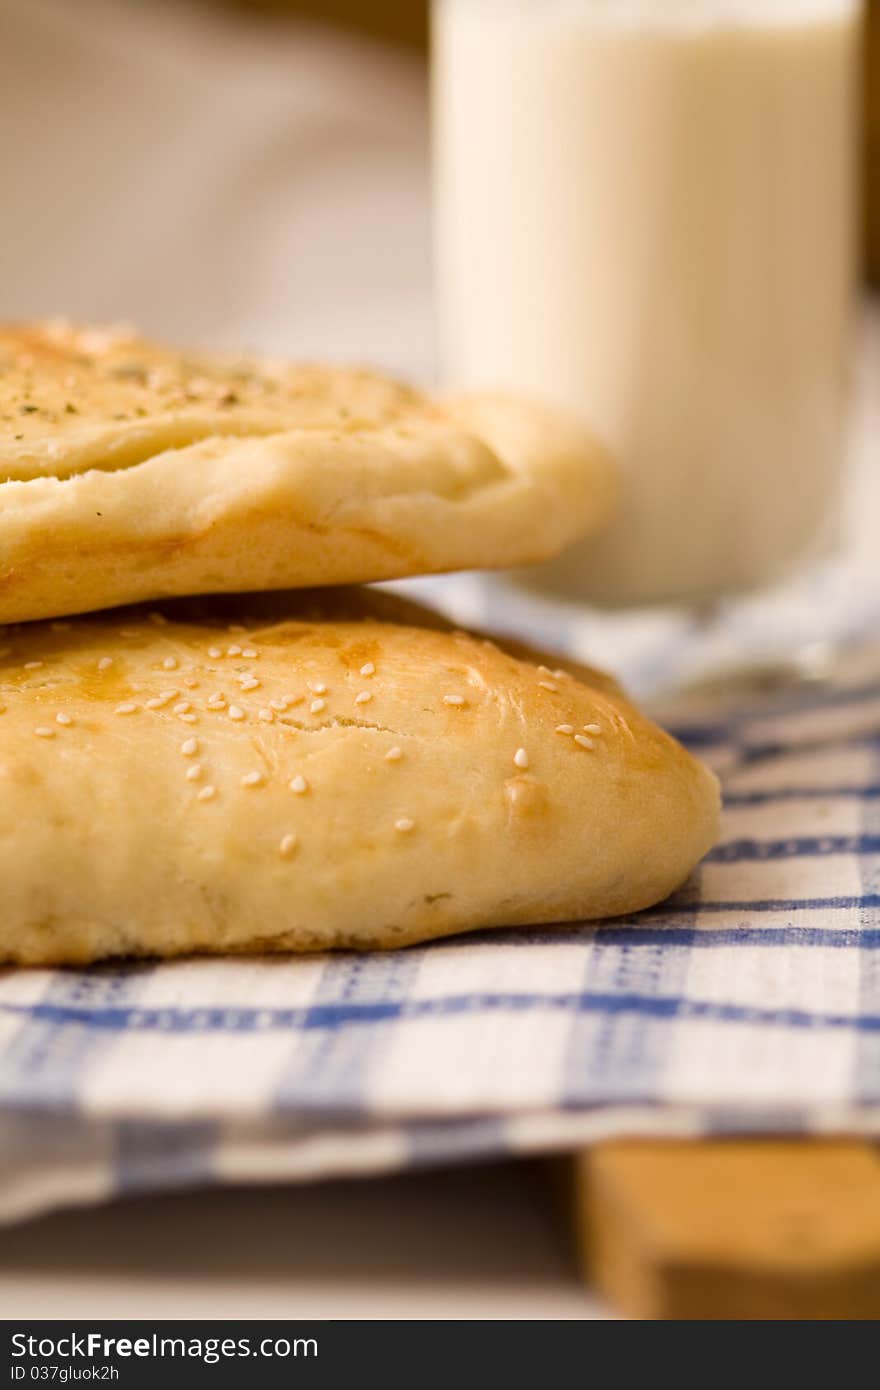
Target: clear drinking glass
{"points": [[646, 209]]}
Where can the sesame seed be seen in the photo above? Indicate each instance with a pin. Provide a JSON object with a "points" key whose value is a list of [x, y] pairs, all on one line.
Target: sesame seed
{"points": [[266, 715], [317, 687], [216, 702], [592, 728], [521, 758], [249, 683], [317, 706], [183, 708], [393, 755], [559, 674], [565, 728], [214, 652], [404, 824], [298, 784], [32, 665], [206, 793], [105, 663], [235, 712], [248, 652], [548, 685], [170, 663], [189, 747], [167, 695], [287, 845], [43, 731], [191, 684], [234, 650], [583, 740], [454, 700], [64, 719], [280, 704], [368, 669], [126, 708], [155, 703], [188, 718], [194, 773], [252, 779], [362, 697]]}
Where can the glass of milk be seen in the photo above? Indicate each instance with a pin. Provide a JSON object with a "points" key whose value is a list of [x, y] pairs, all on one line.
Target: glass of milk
{"points": [[646, 210]]}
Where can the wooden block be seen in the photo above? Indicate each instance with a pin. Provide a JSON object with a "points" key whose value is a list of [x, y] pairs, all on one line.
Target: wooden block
{"points": [[732, 1228]]}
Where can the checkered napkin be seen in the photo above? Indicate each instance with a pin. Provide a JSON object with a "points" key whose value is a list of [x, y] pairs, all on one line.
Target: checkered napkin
{"points": [[750, 1001]]}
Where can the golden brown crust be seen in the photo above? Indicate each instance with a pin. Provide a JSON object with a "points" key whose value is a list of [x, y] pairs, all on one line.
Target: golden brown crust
{"points": [[130, 471], [150, 801]]}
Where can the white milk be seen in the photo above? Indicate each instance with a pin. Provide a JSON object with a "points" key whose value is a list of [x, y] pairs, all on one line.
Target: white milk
{"points": [[646, 211]]}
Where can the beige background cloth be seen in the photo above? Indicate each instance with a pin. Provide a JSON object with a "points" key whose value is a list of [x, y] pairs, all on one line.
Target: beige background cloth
{"points": [[215, 179]]}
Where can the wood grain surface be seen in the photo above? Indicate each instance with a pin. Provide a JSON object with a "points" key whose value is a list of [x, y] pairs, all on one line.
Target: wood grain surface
{"points": [[786, 1228]]}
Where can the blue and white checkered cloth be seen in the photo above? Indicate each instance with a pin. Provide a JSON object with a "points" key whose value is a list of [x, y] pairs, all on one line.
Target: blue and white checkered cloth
{"points": [[750, 1001]]}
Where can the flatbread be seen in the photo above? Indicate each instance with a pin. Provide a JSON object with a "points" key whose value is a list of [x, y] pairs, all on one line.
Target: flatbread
{"points": [[130, 471], [314, 771]]}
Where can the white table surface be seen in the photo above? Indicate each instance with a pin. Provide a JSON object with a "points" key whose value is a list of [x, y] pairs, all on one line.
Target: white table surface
{"points": [[483, 1242]]}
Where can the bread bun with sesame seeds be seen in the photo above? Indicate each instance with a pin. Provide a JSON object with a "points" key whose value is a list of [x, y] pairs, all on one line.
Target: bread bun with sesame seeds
{"points": [[316, 771], [130, 471]]}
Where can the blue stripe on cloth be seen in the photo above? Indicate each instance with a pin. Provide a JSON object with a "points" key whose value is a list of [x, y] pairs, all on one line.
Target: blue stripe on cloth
{"points": [[697, 936], [47, 1060], [35, 1139], [866, 1061], [150, 1155], [332, 1064], [795, 847], [623, 1053], [673, 907], [700, 736], [749, 753], [322, 1018], [764, 796], [752, 753]]}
